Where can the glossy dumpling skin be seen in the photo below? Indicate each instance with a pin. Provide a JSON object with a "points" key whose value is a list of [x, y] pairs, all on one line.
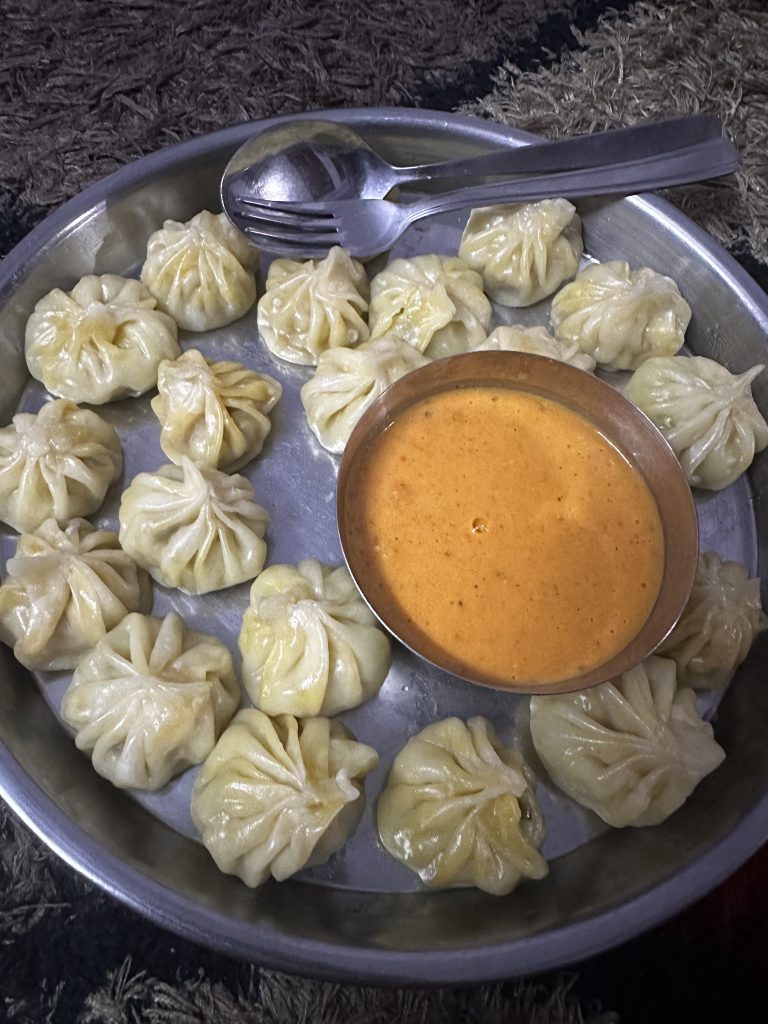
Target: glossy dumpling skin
{"points": [[619, 316], [195, 529], [523, 250], [201, 272], [435, 303], [277, 795], [538, 342], [715, 632], [632, 750], [57, 463], [459, 810], [65, 588], [150, 700], [102, 341], [314, 305], [310, 644], [707, 415], [348, 380], [214, 413]]}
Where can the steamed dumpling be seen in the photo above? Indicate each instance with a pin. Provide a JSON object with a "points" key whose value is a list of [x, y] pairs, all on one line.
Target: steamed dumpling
{"points": [[195, 529], [621, 317], [56, 464], [65, 588], [101, 341], [314, 305], [632, 750], [722, 618], [707, 415], [201, 272], [538, 342], [459, 809], [310, 645], [150, 700], [216, 414], [348, 381], [278, 795], [435, 303], [525, 250]]}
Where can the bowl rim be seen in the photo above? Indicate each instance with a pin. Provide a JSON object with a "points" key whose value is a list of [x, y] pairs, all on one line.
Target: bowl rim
{"points": [[617, 419]]}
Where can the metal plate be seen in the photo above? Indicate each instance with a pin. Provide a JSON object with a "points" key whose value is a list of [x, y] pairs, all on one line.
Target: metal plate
{"points": [[364, 916]]}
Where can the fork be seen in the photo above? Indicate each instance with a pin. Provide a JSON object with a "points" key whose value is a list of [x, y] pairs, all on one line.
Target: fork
{"points": [[367, 227]]}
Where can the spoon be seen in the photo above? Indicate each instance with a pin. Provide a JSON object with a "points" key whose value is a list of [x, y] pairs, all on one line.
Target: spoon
{"points": [[318, 161]]}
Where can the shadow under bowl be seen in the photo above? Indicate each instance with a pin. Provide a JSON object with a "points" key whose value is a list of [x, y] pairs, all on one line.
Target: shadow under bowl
{"points": [[613, 416]]}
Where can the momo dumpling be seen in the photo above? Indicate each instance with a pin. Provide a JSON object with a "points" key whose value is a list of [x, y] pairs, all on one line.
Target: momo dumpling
{"points": [[619, 316], [435, 303], [150, 700], [195, 529], [707, 415], [102, 341], [538, 342], [459, 809], [722, 618], [56, 464], [65, 588], [314, 305], [348, 380], [632, 750], [310, 644], [525, 250], [277, 795], [216, 414], [201, 272]]}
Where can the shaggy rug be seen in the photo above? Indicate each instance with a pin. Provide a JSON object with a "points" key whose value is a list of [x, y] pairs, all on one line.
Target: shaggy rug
{"points": [[87, 86]]}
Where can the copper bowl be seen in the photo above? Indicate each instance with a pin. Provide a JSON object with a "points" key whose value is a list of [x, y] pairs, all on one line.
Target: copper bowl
{"points": [[616, 418]]}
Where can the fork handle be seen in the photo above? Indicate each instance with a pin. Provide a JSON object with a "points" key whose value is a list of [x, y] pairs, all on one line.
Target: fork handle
{"points": [[619, 145], [704, 160]]}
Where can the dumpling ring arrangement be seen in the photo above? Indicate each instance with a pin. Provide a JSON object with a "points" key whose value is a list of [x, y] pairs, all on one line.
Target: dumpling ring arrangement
{"points": [[280, 787]]}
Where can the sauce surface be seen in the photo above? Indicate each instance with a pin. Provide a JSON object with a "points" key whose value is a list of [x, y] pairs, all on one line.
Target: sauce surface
{"points": [[507, 535]]}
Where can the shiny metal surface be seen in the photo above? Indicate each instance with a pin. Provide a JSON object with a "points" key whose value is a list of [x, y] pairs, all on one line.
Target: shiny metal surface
{"points": [[614, 416], [363, 916], [367, 227], [314, 161]]}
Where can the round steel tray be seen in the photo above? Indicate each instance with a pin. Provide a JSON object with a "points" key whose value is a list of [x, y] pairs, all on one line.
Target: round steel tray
{"points": [[363, 917]]}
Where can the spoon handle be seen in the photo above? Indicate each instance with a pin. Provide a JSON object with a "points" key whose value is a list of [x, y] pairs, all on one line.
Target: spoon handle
{"points": [[708, 159], [598, 149]]}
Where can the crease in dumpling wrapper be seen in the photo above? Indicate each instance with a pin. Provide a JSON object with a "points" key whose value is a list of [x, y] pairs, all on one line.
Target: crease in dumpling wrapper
{"points": [[301, 652], [424, 310]]}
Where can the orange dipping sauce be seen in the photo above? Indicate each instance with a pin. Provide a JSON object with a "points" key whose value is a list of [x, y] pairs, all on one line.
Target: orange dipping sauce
{"points": [[507, 534]]}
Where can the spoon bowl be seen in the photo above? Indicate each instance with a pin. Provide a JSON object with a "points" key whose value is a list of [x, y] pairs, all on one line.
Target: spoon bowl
{"points": [[307, 161]]}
